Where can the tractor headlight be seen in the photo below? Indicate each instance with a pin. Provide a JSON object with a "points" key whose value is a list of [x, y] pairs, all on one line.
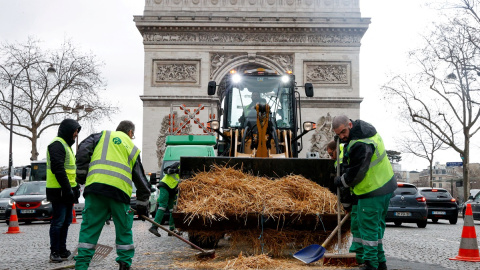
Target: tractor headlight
{"points": [[307, 126], [285, 79], [215, 125], [236, 78]]}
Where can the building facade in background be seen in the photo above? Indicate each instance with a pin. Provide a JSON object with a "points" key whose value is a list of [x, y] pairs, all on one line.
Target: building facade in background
{"points": [[188, 43]]}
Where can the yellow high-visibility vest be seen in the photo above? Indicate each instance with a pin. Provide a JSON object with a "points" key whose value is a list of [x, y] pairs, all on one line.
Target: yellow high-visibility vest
{"points": [[171, 180], [70, 167], [380, 170], [112, 161]]}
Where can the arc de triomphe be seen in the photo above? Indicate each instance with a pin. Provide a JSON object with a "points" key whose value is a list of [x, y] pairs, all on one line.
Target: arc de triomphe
{"points": [[190, 42]]}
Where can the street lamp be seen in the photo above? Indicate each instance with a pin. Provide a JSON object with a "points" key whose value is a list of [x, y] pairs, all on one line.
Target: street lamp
{"points": [[12, 80], [76, 110]]}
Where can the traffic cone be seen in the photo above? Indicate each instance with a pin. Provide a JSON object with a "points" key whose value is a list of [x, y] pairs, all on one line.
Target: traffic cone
{"points": [[13, 223], [468, 244], [74, 220]]}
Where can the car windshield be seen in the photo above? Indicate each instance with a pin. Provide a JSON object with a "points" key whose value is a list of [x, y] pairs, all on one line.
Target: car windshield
{"points": [[405, 191], [434, 194], [264, 90], [6, 193], [32, 188]]}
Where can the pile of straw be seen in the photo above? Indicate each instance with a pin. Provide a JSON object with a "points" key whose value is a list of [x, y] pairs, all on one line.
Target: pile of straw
{"points": [[224, 191], [261, 261]]}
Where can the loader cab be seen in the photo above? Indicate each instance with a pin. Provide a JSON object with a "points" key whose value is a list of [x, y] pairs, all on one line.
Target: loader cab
{"points": [[270, 91], [243, 92]]}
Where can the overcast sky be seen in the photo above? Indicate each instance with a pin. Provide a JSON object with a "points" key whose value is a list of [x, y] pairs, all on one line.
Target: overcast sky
{"points": [[107, 29]]}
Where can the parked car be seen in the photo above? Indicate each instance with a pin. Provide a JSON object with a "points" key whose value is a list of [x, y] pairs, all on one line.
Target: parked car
{"points": [[475, 204], [4, 199], [441, 205], [407, 206], [152, 206], [31, 203]]}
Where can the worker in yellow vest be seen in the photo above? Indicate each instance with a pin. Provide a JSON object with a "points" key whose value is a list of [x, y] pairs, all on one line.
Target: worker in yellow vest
{"points": [[368, 171], [109, 164], [62, 189], [168, 195], [349, 201]]}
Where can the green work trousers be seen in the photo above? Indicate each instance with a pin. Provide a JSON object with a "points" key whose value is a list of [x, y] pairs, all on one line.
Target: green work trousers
{"points": [[371, 213], [97, 209], [165, 200], [356, 246]]}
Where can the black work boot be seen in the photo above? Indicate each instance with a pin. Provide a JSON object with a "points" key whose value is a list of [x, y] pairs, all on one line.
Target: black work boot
{"points": [[154, 230], [65, 254], [382, 266], [55, 257], [123, 266], [367, 266]]}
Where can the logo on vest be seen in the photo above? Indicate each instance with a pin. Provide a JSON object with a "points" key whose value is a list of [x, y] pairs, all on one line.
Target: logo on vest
{"points": [[117, 140]]}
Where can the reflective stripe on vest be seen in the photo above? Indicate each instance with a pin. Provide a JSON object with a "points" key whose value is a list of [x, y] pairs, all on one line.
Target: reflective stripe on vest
{"points": [[171, 180], [380, 170], [69, 165], [340, 156], [112, 161]]}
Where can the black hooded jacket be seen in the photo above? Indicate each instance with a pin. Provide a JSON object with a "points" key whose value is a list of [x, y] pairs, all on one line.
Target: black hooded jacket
{"points": [[57, 162], [357, 161]]}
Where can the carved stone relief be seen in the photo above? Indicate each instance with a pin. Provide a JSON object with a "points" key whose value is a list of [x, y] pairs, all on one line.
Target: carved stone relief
{"points": [[220, 59], [280, 38], [322, 135], [284, 60], [176, 72], [330, 73]]}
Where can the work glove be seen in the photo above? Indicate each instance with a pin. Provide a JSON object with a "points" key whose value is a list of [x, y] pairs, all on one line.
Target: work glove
{"points": [[142, 210], [347, 198], [338, 181], [172, 169], [76, 192], [68, 196]]}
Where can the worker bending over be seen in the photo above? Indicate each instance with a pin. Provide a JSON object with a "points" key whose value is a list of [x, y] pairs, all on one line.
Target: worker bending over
{"points": [[168, 195]]}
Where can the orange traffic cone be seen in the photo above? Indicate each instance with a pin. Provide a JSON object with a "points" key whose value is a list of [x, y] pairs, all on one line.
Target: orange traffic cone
{"points": [[74, 220], [468, 244], [13, 223]]}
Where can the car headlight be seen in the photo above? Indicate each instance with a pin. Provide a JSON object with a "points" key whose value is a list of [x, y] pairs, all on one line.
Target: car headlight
{"points": [[45, 202]]}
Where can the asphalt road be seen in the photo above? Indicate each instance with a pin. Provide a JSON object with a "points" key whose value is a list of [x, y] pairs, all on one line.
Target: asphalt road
{"points": [[407, 247]]}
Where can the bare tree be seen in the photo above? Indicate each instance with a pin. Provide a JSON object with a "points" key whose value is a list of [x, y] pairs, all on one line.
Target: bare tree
{"points": [[41, 100], [422, 143], [445, 90]]}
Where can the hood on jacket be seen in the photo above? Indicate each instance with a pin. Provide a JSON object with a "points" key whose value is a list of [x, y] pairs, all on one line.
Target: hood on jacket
{"points": [[361, 130], [66, 130]]}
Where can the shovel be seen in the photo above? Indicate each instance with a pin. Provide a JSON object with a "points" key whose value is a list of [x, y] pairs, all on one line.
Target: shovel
{"points": [[315, 252], [203, 254]]}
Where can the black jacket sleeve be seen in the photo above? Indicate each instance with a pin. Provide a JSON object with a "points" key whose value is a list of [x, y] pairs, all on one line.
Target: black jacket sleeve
{"points": [[141, 182], [84, 155], [360, 155], [57, 164]]}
